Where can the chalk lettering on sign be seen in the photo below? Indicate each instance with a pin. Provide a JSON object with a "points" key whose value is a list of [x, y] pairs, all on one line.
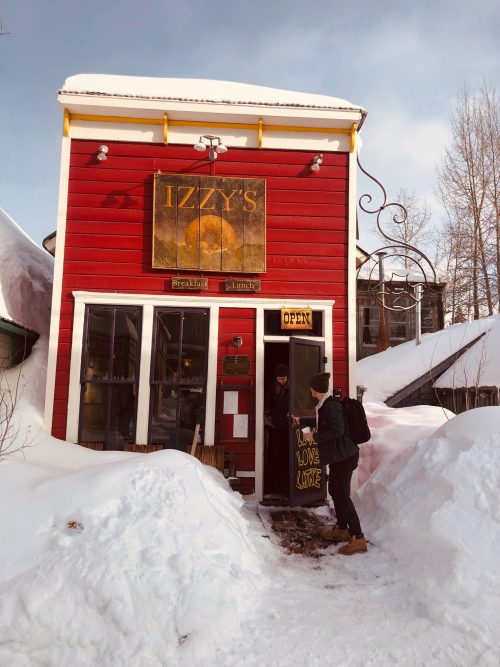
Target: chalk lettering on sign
{"points": [[301, 441], [307, 457], [308, 479]]}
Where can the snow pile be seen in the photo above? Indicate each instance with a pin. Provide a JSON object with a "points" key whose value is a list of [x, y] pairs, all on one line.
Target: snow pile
{"points": [[406, 362], [436, 512], [143, 561], [394, 430], [479, 366], [25, 278]]}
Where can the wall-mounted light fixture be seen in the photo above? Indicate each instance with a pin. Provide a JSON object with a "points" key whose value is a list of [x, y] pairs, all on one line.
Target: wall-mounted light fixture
{"points": [[237, 342], [317, 162], [213, 143], [103, 153]]}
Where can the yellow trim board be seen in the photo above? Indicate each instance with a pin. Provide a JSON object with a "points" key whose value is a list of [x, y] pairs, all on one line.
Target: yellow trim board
{"points": [[353, 132], [66, 123], [259, 127]]}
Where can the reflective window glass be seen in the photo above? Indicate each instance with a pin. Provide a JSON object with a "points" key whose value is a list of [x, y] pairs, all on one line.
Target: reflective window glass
{"points": [[110, 373], [125, 345], [178, 377], [166, 359], [99, 332], [272, 325]]}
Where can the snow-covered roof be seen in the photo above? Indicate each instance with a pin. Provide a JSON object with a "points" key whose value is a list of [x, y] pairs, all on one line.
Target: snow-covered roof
{"points": [[479, 366], [388, 372], [199, 90], [394, 274], [25, 278]]}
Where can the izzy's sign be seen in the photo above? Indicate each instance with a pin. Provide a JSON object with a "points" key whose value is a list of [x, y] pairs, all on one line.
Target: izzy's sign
{"points": [[296, 318], [208, 223]]}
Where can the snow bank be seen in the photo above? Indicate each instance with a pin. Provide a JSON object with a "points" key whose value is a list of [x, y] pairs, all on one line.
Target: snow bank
{"points": [[436, 511], [395, 430], [25, 278], [142, 561]]}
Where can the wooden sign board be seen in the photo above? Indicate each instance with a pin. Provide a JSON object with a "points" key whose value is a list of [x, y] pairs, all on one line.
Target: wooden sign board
{"points": [[296, 318], [308, 470], [195, 284], [242, 285], [209, 223], [238, 364]]}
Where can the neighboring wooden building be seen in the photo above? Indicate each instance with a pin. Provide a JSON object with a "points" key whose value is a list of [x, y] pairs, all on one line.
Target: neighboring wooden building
{"points": [[400, 324], [181, 281], [16, 343]]}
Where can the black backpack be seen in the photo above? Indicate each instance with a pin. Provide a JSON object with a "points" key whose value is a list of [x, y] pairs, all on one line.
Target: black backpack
{"points": [[356, 421]]}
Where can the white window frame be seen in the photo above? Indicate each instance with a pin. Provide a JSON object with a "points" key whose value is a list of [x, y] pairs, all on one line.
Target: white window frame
{"points": [[148, 303]]}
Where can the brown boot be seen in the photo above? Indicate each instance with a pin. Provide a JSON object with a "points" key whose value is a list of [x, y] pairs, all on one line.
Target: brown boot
{"points": [[337, 534], [356, 545]]}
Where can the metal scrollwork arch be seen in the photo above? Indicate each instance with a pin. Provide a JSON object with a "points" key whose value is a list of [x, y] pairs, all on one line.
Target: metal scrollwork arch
{"points": [[406, 287]]}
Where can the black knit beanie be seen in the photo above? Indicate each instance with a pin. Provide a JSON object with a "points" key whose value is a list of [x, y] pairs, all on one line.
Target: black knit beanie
{"points": [[281, 371], [320, 382]]}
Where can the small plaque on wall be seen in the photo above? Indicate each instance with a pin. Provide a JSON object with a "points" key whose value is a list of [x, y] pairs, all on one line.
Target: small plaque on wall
{"points": [[236, 364], [195, 284], [242, 285]]}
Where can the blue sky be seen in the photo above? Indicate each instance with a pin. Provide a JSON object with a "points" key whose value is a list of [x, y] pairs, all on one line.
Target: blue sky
{"points": [[405, 63]]}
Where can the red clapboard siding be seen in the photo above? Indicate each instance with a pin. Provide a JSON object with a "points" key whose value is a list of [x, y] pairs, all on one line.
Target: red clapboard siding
{"points": [[132, 169], [107, 235], [242, 322], [89, 148], [109, 227]]}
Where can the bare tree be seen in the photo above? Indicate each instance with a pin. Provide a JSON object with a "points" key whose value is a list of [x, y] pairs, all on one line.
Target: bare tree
{"points": [[11, 438], [468, 186], [491, 129], [411, 230]]}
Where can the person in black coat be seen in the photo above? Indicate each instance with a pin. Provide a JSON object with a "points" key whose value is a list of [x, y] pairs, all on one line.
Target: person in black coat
{"points": [[336, 449], [278, 424]]}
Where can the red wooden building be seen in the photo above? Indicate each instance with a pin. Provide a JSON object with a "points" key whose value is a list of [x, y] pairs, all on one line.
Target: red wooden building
{"points": [[183, 275]]}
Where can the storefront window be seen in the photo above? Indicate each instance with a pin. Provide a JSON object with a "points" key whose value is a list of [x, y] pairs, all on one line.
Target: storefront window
{"points": [[110, 372], [178, 383]]}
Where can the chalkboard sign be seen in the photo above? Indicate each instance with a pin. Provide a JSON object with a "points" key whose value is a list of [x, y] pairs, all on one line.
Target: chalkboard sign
{"points": [[306, 481], [307, 468]]}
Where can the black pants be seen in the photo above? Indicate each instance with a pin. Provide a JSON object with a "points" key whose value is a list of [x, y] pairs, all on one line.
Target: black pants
{"points": [[339, 487]]}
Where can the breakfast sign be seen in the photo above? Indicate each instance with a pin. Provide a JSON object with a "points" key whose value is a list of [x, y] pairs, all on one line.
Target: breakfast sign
{"points": [[209, 223]]}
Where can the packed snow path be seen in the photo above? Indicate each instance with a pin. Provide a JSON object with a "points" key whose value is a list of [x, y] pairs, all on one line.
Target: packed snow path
{"points": [[349, 611]]}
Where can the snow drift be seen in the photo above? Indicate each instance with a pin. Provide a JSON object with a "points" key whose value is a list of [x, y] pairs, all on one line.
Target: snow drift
{"points": [[144, 561], [436, 511]]}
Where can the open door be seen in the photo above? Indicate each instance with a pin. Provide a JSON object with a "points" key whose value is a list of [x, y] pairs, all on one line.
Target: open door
{"points": [[306, 481]]}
